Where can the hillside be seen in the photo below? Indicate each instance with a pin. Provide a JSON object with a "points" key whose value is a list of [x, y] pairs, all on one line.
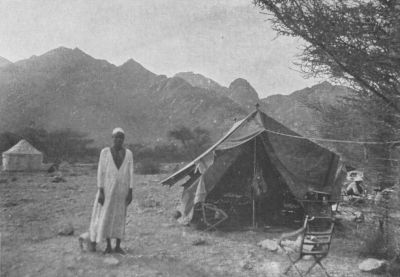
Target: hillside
{"points": [[240, 90], [4, 62], [66, 88], [324, 111], [296, 109], [200, 81]]}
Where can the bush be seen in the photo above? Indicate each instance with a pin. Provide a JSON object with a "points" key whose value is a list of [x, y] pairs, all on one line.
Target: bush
{"points": [[393, 268], [167, 153], [66, 144], [147, 167], [374, 245], [379, 243]]}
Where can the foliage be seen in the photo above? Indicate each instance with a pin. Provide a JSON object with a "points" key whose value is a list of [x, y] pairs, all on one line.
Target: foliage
{"points": [[355, 41], [167, 153], [57, 145], [374, 245], [182, 134], [194, 140], [74, 146], [147, 166], [356, 119]]}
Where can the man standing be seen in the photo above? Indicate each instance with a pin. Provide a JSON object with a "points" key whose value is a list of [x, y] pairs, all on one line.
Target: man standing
{"points": [[115, 183]]}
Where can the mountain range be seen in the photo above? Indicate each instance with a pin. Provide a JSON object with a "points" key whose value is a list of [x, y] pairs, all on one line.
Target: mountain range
{"points": [[67, 88]]}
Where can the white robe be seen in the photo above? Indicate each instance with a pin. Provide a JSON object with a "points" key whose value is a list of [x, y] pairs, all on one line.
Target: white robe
{"points": [[108, 221]]}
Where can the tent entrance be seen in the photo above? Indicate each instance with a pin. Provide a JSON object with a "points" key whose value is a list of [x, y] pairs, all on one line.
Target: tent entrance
{"points": [[252, 192]]}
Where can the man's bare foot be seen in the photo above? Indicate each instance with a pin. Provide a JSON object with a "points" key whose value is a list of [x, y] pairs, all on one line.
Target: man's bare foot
{"points": [[119, 250], [108, 250]]}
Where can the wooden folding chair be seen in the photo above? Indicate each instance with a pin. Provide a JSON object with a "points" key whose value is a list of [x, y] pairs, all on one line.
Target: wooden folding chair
{"points": [[316, 240], [212, 216]]}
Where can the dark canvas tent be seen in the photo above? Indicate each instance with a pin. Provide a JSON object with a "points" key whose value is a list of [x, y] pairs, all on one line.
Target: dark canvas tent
{"points": [[259, 158]]}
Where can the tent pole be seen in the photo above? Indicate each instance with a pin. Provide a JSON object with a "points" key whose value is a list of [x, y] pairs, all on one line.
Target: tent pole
{"points": [[254, 213], [252, 188]]}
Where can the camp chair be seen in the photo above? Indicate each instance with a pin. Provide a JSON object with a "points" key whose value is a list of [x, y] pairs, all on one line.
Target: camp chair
{"points": [[316, 240], [212, 215]]}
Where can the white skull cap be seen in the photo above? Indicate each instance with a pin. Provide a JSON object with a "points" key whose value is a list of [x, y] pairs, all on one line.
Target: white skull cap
{"points": [[118, 130]]}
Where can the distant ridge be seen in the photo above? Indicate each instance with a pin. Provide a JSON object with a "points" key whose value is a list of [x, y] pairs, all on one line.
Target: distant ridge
{"points": [[4, 62]]}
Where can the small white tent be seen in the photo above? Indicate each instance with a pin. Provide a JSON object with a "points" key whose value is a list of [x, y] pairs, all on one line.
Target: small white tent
{"points": [[22, 157]]}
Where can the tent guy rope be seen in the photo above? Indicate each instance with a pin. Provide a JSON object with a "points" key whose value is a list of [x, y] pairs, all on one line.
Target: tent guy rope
{"points": [[333, 140]]}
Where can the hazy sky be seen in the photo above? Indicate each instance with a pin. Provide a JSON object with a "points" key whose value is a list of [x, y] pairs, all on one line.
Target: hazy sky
{"points": [[222, 39]]}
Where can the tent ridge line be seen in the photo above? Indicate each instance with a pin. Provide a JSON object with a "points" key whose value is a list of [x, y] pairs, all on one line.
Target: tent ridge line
{"points": [[212, 148]]}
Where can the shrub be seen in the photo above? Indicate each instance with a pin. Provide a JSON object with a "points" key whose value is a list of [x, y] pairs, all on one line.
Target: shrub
{"points": [[147, 167], [166, 153], [374, 245], [66, 144]]}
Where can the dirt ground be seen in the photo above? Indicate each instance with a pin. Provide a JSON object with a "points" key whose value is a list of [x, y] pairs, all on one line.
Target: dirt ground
{"points": [[33, 209]]}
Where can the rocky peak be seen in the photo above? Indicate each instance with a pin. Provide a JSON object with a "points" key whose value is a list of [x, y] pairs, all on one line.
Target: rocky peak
{"points": [[198, 80], [61, 57], [243, 93]]}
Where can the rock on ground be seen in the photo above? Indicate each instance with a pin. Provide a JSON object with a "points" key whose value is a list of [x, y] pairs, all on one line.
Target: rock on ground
{"points": [[66, 230], [111, 261], [372, 266], [199, 241], [269, 244], [58, 179]]}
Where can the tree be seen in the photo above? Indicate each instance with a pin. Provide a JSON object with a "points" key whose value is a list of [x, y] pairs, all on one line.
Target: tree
{"points": [[56, 145], [68, 145], [7, 140], [182, 134], [193, 140], [355, 120], [356, 41], [202, 139]]}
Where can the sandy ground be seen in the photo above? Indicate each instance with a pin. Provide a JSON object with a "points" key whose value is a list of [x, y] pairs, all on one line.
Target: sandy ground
{"points": [[33, 209]]}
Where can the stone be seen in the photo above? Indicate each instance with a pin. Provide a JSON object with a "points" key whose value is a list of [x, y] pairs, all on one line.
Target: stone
{"points": [[293, 245], [58, 179], [246, 265], [150, 203], [359, 217], [199, 241], [111, 261], [373, 266], [43, 186], [269, 244], [66, 230], [176, 214], [289, 250]]}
